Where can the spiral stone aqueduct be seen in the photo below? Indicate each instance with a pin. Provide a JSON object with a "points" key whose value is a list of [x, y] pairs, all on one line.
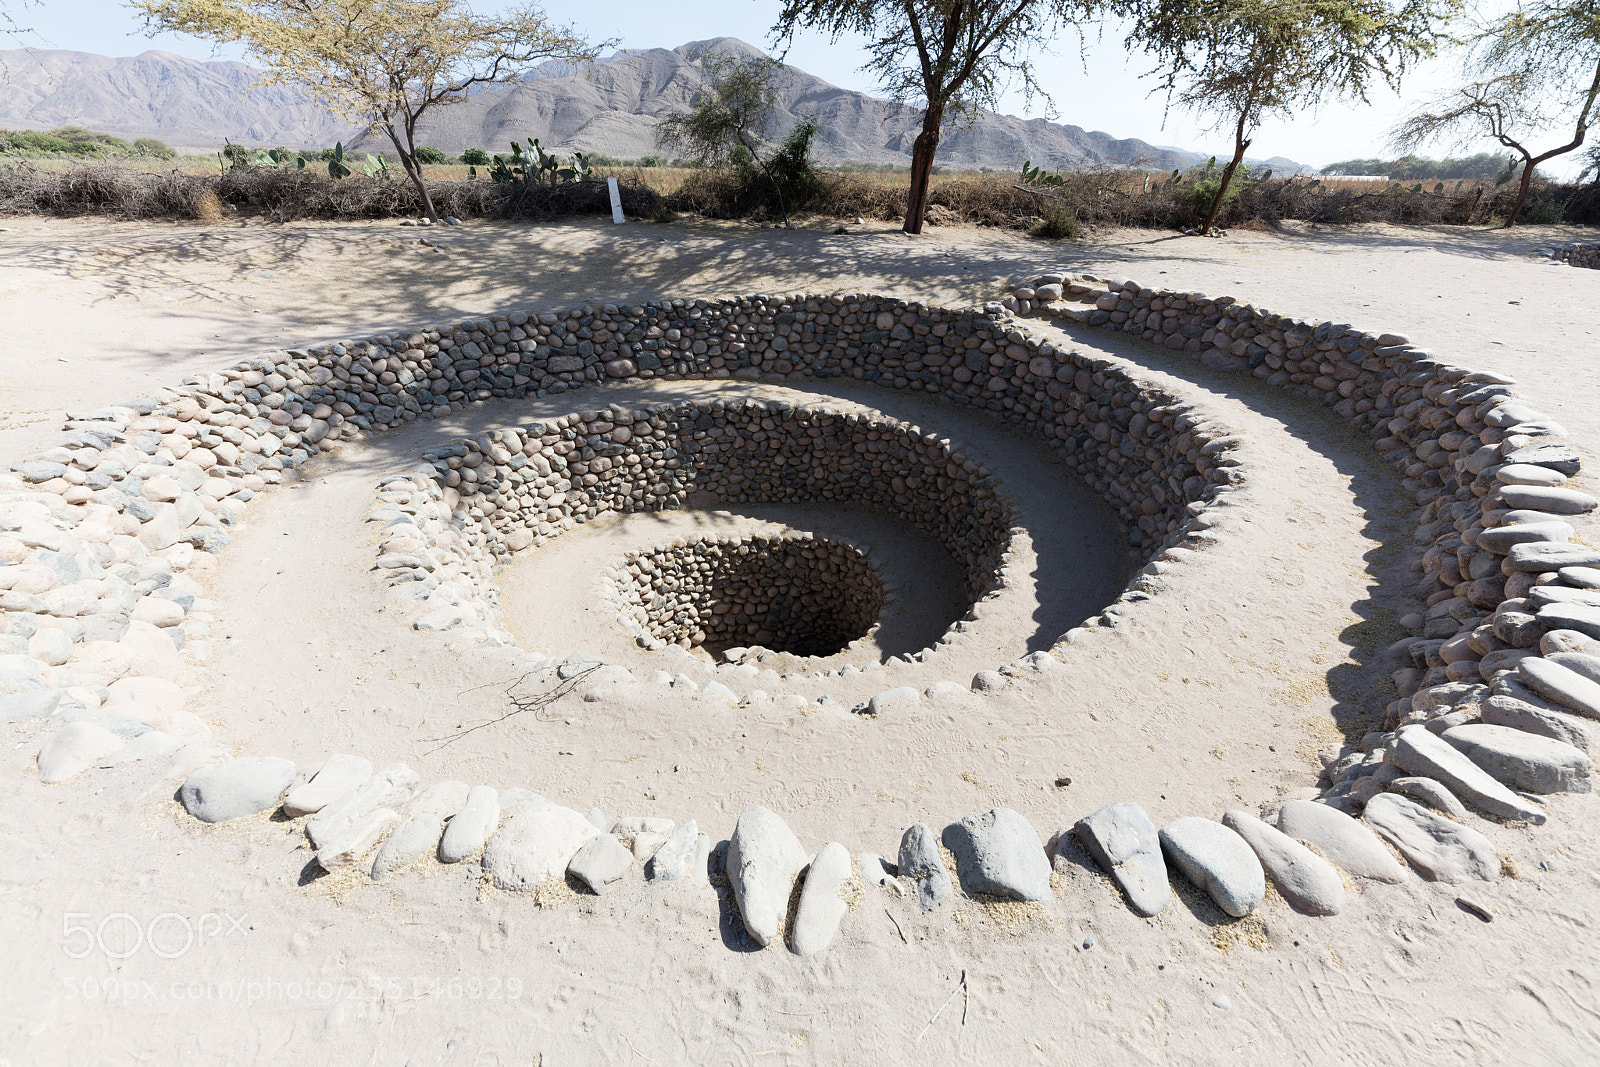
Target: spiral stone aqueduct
{"points": [[1494, 696]]}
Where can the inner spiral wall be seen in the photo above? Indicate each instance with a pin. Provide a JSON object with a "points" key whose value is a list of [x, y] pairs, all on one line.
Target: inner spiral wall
{"points": [[802, 595], [531, 484]]}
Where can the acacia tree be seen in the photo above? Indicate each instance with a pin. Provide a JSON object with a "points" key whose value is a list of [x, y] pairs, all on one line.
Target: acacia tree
{"points": [[1531, 69], [731, 119], [382, 64], [9, 27], [1240, 62], [950, 58]]}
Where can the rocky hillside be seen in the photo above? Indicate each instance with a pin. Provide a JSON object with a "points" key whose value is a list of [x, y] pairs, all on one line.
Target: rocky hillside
{"points": [[184, 102], [610, 108]]}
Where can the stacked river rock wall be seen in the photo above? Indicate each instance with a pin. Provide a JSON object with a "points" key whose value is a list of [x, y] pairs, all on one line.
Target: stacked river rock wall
{"points": [[792, 592], [1575, 255], [1508, 634], [521, 487]]}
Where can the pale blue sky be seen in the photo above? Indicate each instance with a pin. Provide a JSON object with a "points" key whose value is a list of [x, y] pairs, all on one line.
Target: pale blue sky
{"points": [[1109, 96]]}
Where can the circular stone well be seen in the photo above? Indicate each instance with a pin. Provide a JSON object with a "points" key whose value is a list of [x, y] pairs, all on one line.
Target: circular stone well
{"points": [[799, 594]]}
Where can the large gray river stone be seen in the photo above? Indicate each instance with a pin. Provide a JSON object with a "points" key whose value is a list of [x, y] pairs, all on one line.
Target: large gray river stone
{"points": [[1217, 860], [340, 774], [535, 845], [1524, 761], [73, 749], [600, 862], [1545, 721], [420, 832], [235, 788], [1441, 849], [469, 830], [1561, 684], [764, 858], [676, 855], [920, 861], [1124, 842], [1305, 879], [999, 853], [1345, 843], [1422, 752], [821, 906]]}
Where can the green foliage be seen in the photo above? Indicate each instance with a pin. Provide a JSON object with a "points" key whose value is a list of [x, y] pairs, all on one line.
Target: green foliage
{"points": [[337, 167], [239, 157], [732, 118], [1544, 211], [731, 123], [650, 161], [1032, 175], [538, 166], [1532, 68], [286, 160], [376, 167], [1411, 167], [1199, 187], [1240, 62], [429, 154], [157, 149], [475, 157], [74, 141], [79, 135], [790, 166]]}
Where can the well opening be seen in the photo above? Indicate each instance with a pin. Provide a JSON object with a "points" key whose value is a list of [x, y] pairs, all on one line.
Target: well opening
{"points": [[804, 595]]}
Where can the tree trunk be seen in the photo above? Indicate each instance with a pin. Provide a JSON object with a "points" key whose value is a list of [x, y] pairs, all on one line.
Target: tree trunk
{"points": [[1240, 145], [1531, 162], [922, 151], [1522, 193], [408, 162], [783, 207]]}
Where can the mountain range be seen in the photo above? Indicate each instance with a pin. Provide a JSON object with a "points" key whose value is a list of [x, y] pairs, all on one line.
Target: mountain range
{"points": [[610, 108]]}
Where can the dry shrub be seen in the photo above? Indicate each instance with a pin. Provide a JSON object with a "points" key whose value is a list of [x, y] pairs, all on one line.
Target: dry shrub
{"points": [[1104, 196], [208, 207], [114, 189], [103, 189], [1119, 197], [580, 198], [288, 195]]}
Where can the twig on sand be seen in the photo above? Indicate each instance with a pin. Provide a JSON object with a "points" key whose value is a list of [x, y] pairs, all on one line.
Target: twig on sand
{"points": [[962, 985], [896, 922], [518, 704], [636, 1052]]}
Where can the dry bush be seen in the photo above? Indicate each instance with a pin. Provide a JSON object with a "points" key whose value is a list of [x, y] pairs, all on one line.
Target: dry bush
{"points": [[975, 200], [1106, 197], [568, 199], [104, 189], [208, 208], [289, 195], [113, 189]]}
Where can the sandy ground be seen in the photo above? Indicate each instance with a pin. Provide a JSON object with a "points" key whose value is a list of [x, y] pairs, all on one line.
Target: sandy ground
{"points": [[1214, 695]]}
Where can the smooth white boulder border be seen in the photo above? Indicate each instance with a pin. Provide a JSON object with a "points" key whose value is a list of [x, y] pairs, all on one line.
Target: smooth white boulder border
{"points": [[224, 437]]}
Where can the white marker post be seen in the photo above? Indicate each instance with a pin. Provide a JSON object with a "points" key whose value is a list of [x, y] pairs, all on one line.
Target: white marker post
{"points": [[616, 200]]}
